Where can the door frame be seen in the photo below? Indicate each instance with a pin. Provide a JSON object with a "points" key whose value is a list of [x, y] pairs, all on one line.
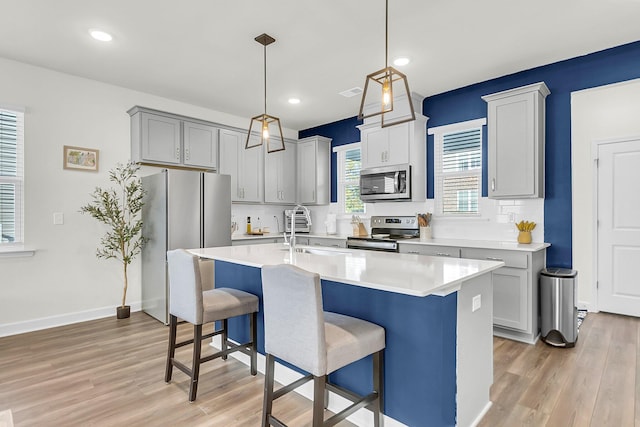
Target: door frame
{"points": [[595, 146]]}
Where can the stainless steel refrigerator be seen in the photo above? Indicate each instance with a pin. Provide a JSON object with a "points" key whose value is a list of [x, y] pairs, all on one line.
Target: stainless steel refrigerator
{"points": [[182, 209]]}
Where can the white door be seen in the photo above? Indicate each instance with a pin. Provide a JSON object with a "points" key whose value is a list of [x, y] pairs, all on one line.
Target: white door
{"points": [[618, 236]]}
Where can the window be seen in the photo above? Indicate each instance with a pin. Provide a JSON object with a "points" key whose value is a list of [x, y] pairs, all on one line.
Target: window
{"points": [[458, 167], [349, 165], [11, 175]]}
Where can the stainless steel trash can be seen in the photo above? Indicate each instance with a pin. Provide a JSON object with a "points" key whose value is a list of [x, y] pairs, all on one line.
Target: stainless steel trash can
{"points": [[558, 308]]}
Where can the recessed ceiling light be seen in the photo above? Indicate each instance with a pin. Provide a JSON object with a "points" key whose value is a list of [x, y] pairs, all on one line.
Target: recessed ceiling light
{"points": [[101, 35], [401, 61], [294, 101]]}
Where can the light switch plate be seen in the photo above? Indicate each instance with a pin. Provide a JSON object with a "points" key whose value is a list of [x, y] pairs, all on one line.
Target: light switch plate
{"points": [[476, 303], [58, 218]]}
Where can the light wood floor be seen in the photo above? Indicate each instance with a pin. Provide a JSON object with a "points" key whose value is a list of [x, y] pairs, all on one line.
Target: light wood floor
{"points": [[108, 373]]}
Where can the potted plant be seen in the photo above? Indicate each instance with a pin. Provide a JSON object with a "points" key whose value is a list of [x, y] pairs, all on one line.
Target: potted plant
{"points": [[119, 208]]}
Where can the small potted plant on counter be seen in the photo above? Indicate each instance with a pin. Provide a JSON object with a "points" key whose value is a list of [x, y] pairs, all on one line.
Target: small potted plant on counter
{"points": [[119, 209]]}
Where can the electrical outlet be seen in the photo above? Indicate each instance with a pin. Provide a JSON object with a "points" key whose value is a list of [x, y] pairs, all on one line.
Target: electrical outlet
{"points": [[476, 303], [512, 217], [58, 218]]}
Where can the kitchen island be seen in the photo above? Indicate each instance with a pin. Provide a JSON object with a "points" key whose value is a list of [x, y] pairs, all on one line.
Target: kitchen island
{"points": [[437, 315]]}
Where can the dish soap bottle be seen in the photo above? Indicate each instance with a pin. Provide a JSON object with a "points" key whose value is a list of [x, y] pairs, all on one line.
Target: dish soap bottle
{"points": [[248, 225]]}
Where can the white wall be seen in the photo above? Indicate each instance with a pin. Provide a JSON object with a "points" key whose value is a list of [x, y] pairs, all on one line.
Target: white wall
{"points": [[64, 282], [597, 114]]}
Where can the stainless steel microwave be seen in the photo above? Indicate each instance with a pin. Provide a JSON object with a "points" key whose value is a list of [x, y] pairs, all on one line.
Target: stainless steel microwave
{"points": [[386, 183]]}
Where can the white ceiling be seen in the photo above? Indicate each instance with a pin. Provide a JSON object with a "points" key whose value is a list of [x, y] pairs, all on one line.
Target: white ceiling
{"points": [[203, 51]]}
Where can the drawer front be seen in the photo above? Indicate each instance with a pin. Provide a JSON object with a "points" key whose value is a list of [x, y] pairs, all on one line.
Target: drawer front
{"points": [[511, 258], [332, 243], [449, 251]]}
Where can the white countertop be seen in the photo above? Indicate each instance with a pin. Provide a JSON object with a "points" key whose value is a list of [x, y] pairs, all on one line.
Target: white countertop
{"points": [[479, 244], [241, 236], [410, 274]]}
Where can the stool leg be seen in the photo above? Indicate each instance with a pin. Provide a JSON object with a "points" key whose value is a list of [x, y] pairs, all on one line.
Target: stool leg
{"points": [[254, 342], [225, 336], [326, 393], [173, 327], [378, 385], [319, 386], [195, 366], [267, 403]]}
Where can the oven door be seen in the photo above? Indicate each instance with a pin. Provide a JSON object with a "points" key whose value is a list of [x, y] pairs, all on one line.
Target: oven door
{"points": [[385, 183], [372, 244]]}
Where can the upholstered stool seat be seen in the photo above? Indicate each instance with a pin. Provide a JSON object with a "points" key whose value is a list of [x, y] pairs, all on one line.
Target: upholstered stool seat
{"points": [[299, 332], [189, 302]]}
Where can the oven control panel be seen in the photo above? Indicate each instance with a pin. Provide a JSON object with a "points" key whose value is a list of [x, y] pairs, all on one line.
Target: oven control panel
{"points": [[394, 222]]}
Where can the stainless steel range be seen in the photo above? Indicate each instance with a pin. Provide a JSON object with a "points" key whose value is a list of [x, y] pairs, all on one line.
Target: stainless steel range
{"points": [[385, 233]]}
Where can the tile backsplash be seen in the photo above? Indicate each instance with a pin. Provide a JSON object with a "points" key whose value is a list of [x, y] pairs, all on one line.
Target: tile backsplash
{"points": [[496, 220]]}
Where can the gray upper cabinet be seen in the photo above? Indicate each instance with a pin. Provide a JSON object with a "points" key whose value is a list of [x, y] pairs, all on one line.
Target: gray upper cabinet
{"points": [[314, 171], [200, 143], [516, 127], [244, 166], [165, 139], [280, 175]]}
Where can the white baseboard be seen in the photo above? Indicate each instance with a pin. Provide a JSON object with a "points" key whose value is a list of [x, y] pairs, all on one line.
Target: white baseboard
{"points": [[583, 305], [285, 375], [8, 329], [481, 414]]}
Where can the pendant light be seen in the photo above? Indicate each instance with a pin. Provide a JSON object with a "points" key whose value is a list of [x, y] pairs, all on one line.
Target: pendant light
{"points": [[384, 89], [270, 129]]}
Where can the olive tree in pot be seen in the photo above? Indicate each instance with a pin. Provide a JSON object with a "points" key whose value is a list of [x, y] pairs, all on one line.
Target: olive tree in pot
{"points": [[119, 209]]}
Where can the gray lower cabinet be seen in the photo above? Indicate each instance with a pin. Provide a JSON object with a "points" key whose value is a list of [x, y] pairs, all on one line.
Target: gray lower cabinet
{"points": [[256, 241], [515, 292], [450, 251], [515, 286], [327, 242]]}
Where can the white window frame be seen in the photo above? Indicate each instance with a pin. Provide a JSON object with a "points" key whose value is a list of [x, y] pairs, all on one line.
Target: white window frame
{"points": [[18, 180], [438, 140], [341, 181]]}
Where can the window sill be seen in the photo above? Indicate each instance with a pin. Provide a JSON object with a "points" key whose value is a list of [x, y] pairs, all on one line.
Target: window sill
{"points": [[14, 251]]}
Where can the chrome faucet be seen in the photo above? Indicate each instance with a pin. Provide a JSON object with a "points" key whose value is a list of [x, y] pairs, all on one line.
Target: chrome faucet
{"points": [[292, 236]]}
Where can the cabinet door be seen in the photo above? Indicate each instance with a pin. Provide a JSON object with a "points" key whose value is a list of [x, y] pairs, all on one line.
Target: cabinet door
{"points": [[398, 144], [287, 184], [200, 144], [160, 139], [307, 172], [375, 147], [230, 142], [510, 298], [251, 175], [511, 146]]}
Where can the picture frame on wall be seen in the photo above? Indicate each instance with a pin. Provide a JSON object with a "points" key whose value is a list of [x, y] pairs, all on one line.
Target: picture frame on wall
{"points": [[78, 158]]}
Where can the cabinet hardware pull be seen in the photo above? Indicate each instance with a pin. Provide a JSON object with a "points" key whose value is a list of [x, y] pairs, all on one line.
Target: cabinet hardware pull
{"points": [[442, 254], [493, 184], [413, 252], [494, 259]]}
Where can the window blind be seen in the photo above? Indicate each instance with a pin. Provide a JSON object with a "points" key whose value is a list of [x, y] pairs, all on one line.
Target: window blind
{"points": [[458, 171], [11, 175], [349, 163]]}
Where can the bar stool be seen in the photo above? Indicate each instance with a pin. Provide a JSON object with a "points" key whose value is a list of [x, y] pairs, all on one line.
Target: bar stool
{"points": [[298, 331], [190, 303]]}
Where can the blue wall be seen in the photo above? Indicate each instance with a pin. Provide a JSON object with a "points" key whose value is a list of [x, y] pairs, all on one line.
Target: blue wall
{"points": [[605, 67]]}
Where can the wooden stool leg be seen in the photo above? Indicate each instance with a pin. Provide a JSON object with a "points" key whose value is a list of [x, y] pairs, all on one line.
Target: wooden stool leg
{"points": [[267, 403], [319, 387], [326, 393], [195, 366], [173, 327], [225, 336], [253, 325]]}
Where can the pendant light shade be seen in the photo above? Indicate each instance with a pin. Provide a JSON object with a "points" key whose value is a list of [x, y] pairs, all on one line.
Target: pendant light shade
{"points": [[385, 90], [267, 126]]}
